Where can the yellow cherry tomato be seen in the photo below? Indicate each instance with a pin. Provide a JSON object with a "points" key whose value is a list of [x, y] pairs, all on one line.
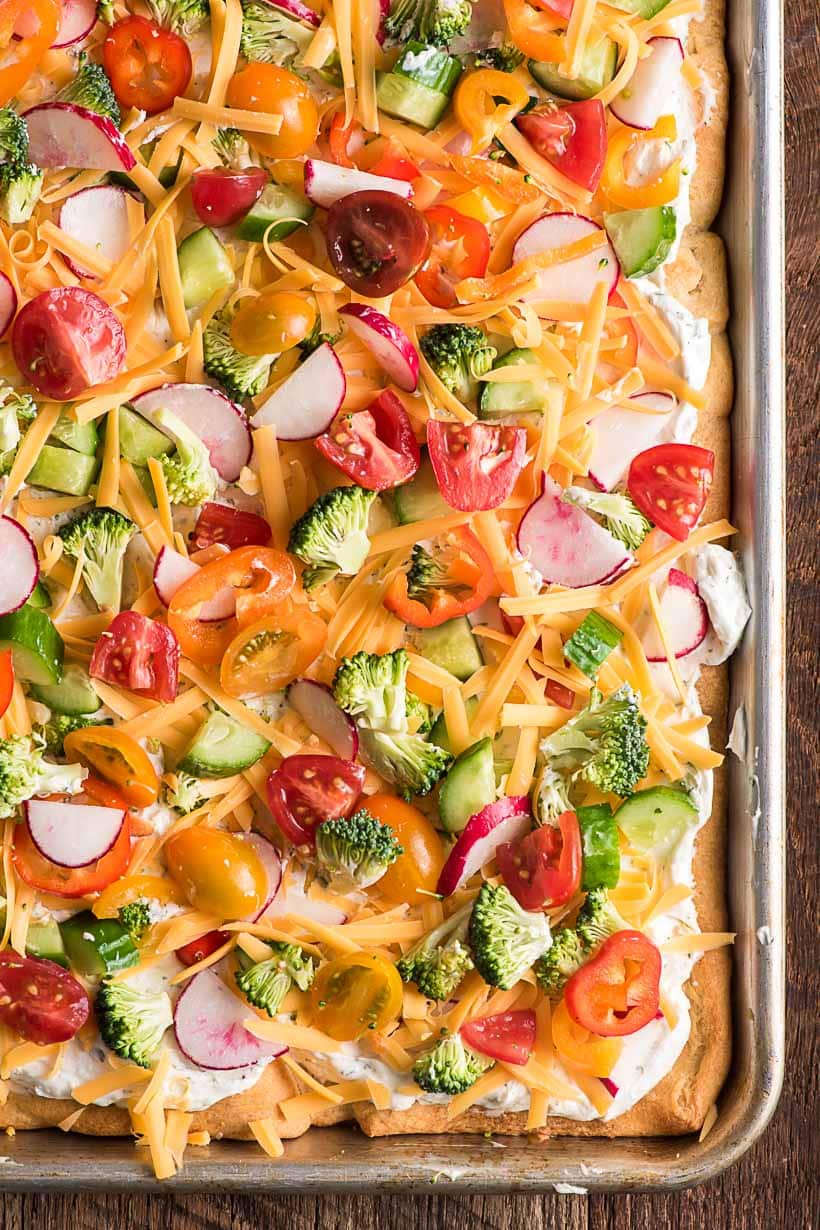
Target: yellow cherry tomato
{"points": [[119, 759], [476, 108], [420, 865], [274, 321], [276, 91], [135, 888], [659, 191], [269, 654], [219, 873], [355, 993], [581, 1049]]}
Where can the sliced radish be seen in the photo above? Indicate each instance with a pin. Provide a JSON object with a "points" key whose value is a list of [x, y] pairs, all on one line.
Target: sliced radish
{"points": [[390, 344], [684, 616], [64, 135], [294, 900], [620, 434], [645, 97], [325, 183], [504, 820], [172, 570], [20, 567], [315, 705], [269, 857], [98, 218], [77, 19], [574, 281], [208, 1026], [220, 424], [309, 400], [297, 10], [8, 303], [72, 834], [565, 544]]}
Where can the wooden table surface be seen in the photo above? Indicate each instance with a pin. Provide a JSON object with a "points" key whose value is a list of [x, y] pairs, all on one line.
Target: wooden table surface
{"points": [[777, 1184]]}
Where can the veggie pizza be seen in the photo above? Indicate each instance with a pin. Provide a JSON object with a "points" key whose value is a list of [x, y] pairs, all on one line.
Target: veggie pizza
{"points": [[364, 454]]}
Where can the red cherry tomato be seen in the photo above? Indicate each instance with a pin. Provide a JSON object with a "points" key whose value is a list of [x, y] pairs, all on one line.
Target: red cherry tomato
{"points": [[459, 248], [305, 790], [139, 654], [6, 680], [508, 1036], [221, 196], [395, 165], [40, 1000], [670, 484], [462, 581], [230, 527], [375, 447], [475, 465], [543, 869], [67, 339], [148, 66], [376, 241], [198, 950], [559, 695], [572, 138], [617, 992]]}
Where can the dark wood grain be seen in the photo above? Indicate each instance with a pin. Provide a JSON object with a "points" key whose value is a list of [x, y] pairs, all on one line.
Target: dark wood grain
{"points": [[778, 1183]]}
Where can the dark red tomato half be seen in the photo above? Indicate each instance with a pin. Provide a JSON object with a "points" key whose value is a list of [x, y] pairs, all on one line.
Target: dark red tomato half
{"points": [[40, 1000], [459, 248], [375, 241], [508, 1036], [543, 869], [199, 949], [221, 196], [67, 339], [475, 465], [670, 483], [617, 992], [139, 654], [375, 447], [572, 138], [305, 790], [148, 66], [229, 527], [6, 680]]}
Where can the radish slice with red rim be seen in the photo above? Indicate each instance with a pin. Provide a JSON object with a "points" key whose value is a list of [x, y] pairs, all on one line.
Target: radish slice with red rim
{"points": [[565, 544], [77, 19], [315, 705], [21, 568], [573, 281], [326, 183], [386, 341], [64, 135], [208, 1026], [684, 616], [309, 400], [298, 11], [8, 303], [621, 433], [504, 820], [72, 834], [646, 96], [219, 422], [271, 861], [172, 570], [98, 218], [294, 900]]}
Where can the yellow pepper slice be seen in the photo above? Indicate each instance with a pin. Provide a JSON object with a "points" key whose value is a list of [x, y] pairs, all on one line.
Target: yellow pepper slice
{"points": [[533, 31], [476, 109], [587, 1052], [659, 191], [27, 52]]}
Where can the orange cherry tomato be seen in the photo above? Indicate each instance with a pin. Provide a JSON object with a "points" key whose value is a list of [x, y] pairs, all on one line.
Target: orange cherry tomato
{"points": [[274, 321], [119, 759], [277, 91], [219, 873], [269, 654], [356, 993], [135, 888], [419, 867], [26, 52]]}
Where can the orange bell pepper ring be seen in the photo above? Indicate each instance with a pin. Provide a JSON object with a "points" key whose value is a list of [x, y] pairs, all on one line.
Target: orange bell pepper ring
{"points": [[476, 109], [534, 32], [26, 53], [659, 191]]}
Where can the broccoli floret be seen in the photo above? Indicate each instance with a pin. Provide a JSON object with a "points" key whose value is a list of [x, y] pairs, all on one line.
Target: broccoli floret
{"points": [[15, 408], [552, 796], [407, 761], [355, 852], [332, 536], [132, 1022], [598, 919], [13, 136], [429, 574], [421, 717], [20, 180], [232, 148], [182, 792], [565, 955], [429, 21], [315, 339], [505, 58], [24, 772], [459, 355], [189, 475], [105, 12], [266, 983], [90, 88], [61, 724], [270, 35], [372, 687], [184, 17], [439, 962], [136, 918], [624, 519], [505, 939], [605, 745], [450, 1067], [100, 536], [241, 375]]}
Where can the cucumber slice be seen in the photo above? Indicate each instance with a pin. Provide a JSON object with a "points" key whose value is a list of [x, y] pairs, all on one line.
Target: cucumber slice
{"points": [[82, 437], [36, 646], [597, 69], [144, 475], [40, 597], [97, 946], [602, 852], [222, 747], [61, 469], [43, 939], [642, 8], [204, 267], [656, 819], [504, 743], [498, 400], [642, 238], [432, 67], [278, 209], [410, 100], [420, 499], [139, 440], [74, 695], [468, 786], [451, 646], [591, 643]]}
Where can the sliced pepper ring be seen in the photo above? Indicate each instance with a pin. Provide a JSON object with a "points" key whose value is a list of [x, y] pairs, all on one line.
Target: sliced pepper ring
{"points": [[453, 580], [660, 191]]}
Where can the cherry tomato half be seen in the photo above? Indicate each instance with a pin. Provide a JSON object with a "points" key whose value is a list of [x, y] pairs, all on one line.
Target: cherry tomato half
{"points": [[461, 579], [218, 872], [476, 466], [395, 164], [274, 321], [148, 66], [306, 790], [139, 654], [459, 248], [375, 447], [355, 993], [571, 137], [135, 888], [40, 1000], [419, 867], [197, 950], [119, 759], [6, 680], [670, 483], [67, 339], [375, 241], [230, 527], [543, 868], [276, 91], [269, 654], [508, 1036], [221, 196], [617, 992]]}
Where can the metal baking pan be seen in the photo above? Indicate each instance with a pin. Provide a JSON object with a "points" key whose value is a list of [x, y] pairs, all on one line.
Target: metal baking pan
{"points": [[342, 1158]]}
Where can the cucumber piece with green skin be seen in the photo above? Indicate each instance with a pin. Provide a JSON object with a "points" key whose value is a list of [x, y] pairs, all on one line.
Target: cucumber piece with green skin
{"points": [[517, 397], [97, 946], [139, 439], [146, 482], [642, 238], [43, 939], [36, 646], [451, 645], [74, 695], [63, 470], [505, 742], [222, 747], [204, 267], [642, 8], [656, 819], [420, 499], [410, 100], [591, 643], [468, 786], [601, 865], [82, 437], [39, 597], [432, 67], [597, 69], [277, 214]]}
